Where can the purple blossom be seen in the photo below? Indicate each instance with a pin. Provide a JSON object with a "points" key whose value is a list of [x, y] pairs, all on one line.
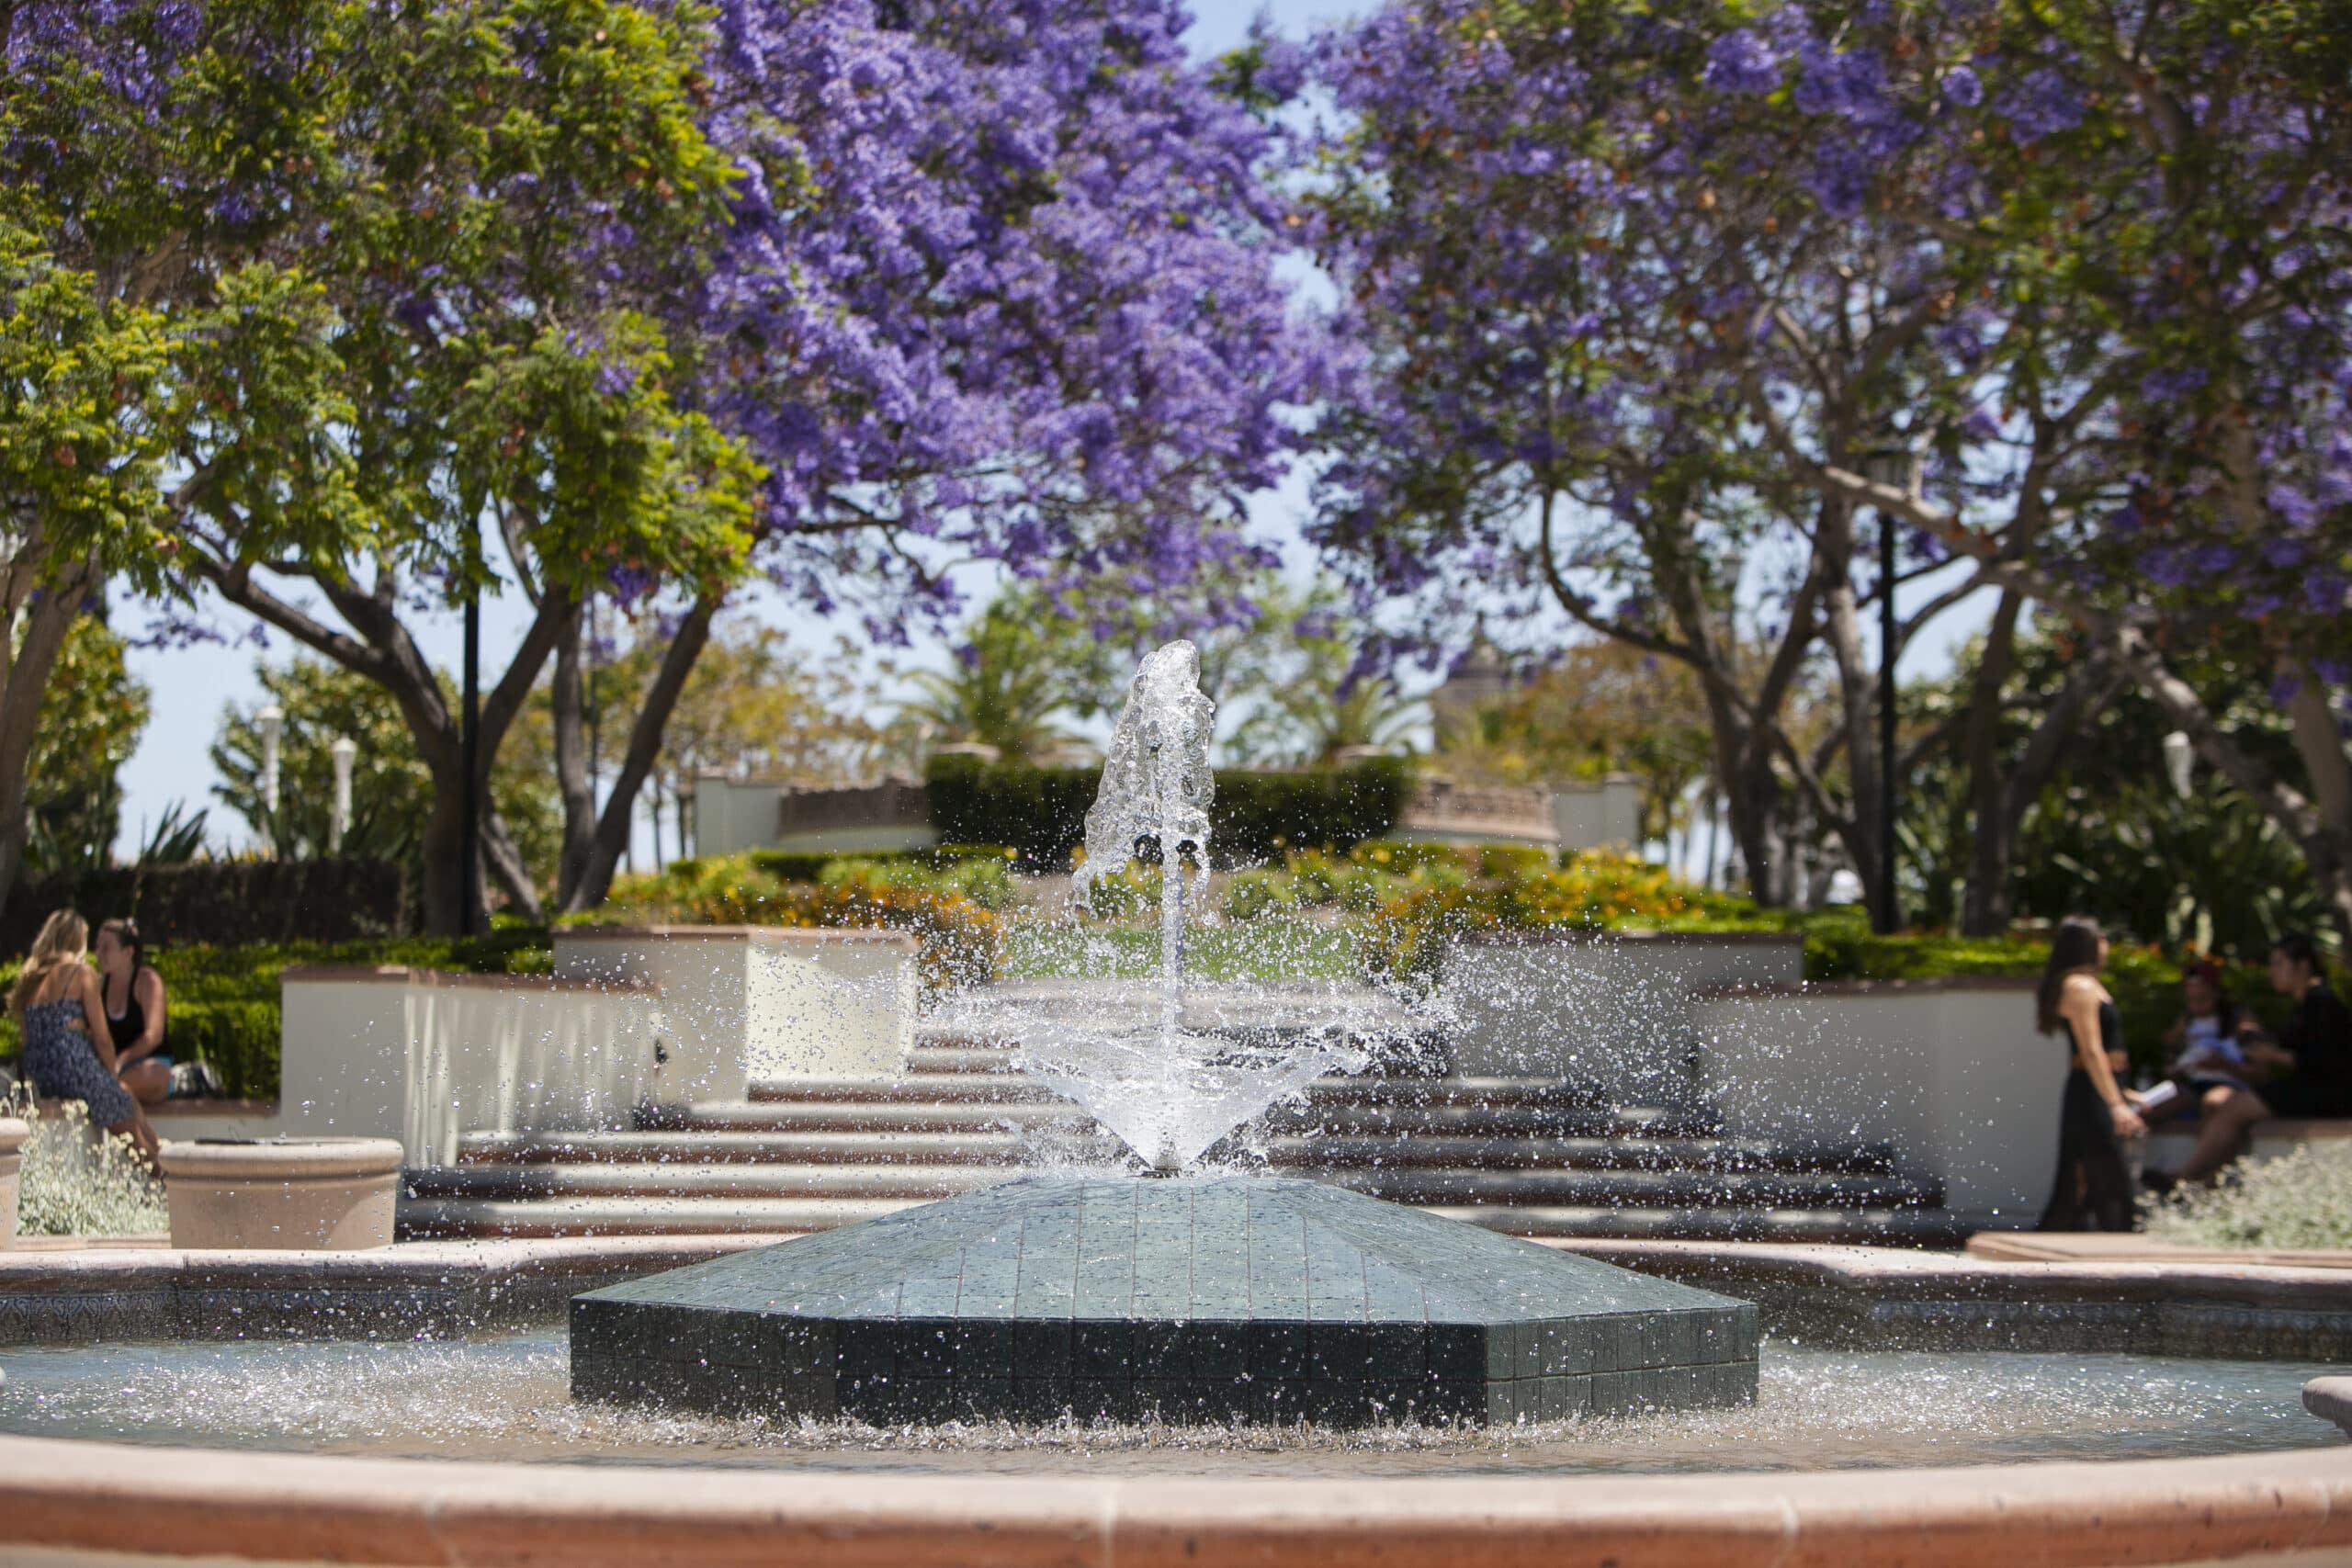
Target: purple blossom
{"points": [[2041, 104], [1741, 62]]}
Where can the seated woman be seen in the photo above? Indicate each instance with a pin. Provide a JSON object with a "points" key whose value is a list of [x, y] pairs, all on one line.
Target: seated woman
{"points": [[136, 1008], [2210, 1065], [2305, 1070], [68, 1054]]}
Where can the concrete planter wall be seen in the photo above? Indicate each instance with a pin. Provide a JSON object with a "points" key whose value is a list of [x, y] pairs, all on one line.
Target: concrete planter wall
{"points": [[425, 1058], [1951, 1073], [1611, 1009], [745, 1002], [301, 1194], [13, 1135]]}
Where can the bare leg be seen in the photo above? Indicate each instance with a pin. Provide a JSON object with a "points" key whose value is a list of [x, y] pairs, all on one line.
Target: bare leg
{"points": [[2222, 1128], [149, 1081], [142, 1132]]}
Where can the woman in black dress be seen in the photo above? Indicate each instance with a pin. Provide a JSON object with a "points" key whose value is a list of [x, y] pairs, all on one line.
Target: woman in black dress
{"points": [[2093, 1117], [135, 1011]]}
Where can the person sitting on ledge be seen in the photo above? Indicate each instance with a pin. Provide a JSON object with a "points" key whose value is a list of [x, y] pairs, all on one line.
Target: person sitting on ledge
{"points": [[62, 1016], [2210, 1065], [135, 1004], [2306, 1068]]}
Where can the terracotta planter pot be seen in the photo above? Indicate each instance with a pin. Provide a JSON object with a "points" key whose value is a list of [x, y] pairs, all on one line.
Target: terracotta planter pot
{"points": [[298, 1194], [13, 1135]]}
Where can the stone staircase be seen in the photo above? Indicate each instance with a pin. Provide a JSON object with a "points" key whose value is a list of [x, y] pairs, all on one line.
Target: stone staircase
{"points": [[1527, 1157]]}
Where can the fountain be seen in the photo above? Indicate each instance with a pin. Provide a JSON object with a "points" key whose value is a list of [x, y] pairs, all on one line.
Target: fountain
{"points": [[1179, 1291]]}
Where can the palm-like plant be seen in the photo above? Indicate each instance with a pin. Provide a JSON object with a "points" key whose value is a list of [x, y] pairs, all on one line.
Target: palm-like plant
{"points": [[1003, 688]]}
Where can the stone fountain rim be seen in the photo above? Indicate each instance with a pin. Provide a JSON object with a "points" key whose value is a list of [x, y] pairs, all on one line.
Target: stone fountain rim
{"points": [[74, 1495]]}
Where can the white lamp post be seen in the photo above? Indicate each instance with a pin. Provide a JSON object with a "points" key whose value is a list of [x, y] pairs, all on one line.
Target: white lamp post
{"points": [[345, 751], [272, 720], [2180, 757]]}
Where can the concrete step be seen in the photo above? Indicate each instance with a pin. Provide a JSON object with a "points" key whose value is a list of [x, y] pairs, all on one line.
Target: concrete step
{"points": [[420, 1218], [930, 1088], [1644, 1188], [913, 1116], [1076, 1138], [990, 1146]]}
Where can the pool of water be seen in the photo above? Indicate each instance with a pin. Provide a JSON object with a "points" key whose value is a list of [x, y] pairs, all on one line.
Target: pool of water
{"points": [[507, 1398]]}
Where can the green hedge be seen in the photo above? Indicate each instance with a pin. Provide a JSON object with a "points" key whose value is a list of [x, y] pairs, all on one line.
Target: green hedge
{"points": [[224, 1004], [1041, 812], [810, 865]]}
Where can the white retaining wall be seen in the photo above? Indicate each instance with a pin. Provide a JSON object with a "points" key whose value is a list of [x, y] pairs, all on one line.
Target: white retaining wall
{"points": [[745, 1002], [1612, 1010], [1951, 1073], [426, 1058], [658, 1016]]}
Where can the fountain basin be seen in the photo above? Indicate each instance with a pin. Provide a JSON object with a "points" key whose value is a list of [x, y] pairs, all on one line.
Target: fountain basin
{"points": [[79, 1500], [300, 1194]]}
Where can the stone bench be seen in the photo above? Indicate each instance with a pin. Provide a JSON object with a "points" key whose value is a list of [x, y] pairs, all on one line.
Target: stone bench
{"points": [[2170, 1144]]}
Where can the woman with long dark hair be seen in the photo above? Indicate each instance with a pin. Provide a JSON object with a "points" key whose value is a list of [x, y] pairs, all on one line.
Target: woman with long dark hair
{"points": [[2093, 1116]]}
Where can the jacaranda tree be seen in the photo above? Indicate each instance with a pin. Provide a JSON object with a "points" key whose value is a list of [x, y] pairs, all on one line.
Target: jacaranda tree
{"points": [[1642, 287], [996, 283]]}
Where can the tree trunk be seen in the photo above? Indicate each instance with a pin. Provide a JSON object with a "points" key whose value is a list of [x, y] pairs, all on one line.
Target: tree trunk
{"points": [[381, 647], [49, 612], [1986, 909], [644, 746], [1859, 829]]}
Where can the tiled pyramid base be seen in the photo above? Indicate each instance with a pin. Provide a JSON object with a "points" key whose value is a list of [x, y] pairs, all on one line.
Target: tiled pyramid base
{"points": [[1189, 1299]]}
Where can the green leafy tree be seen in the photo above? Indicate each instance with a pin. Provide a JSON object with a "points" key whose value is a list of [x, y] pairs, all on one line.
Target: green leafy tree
{"points": [[755, 705], [391, 788], [91, 719], [402, 265], [1599, 707]]}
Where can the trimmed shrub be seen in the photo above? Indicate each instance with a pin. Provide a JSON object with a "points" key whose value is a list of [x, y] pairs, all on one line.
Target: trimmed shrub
{"points": [[962, 943], [223, 1003], [1407, 935], [2303, 1199], [1041, 812], [810, 865], [224, 902]]}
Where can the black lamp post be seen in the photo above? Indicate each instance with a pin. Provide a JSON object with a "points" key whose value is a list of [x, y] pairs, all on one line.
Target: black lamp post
{"points": [[469, 757], [1896, 466]]}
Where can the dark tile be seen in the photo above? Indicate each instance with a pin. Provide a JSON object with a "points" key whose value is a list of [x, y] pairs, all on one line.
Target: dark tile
{"points": [[927, 1348], [1159, 1351], [1041, 1349], [1455, 1351], [1038, 1401], [1101, 1349], [864, 1351], [1217, 1352], [986, 1348], [1280, 1351], [1566, 1347]]}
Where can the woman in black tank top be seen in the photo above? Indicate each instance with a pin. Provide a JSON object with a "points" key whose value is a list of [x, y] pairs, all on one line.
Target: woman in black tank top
{"points": [[2093, 1182], [137, 1011]]}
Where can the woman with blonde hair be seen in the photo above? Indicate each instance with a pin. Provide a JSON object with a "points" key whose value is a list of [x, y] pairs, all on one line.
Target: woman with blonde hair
{"points": [[68, 1053]]}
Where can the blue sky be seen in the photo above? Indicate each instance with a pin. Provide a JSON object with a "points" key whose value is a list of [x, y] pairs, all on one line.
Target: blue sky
{"points": [[190, 687]]}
